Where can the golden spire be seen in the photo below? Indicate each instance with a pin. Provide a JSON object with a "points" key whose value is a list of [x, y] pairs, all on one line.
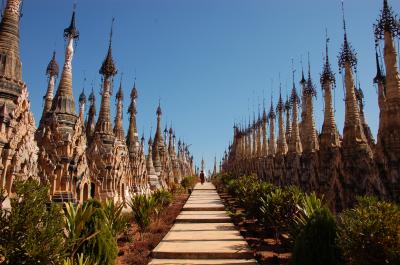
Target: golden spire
{"points": [[329, 133], [132, 140], [118, 127], [64, 101], [108, 71]]}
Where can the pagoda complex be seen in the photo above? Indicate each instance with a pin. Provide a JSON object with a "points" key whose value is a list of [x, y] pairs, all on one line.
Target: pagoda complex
{"points": [[337, 166], [77, 155]]}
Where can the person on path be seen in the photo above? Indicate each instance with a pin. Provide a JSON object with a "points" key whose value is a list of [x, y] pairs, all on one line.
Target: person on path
{"points": [[202, 177]]}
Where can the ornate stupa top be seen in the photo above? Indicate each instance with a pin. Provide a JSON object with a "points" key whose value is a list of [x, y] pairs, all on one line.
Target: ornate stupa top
{"points": [[108, 68], [347, 53], [380, 77], [82, 97], [52, 68], [71, 31], [387, 22], [310, 87], [327, 74]]}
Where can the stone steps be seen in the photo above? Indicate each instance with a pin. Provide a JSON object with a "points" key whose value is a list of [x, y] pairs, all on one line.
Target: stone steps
{"points": [[203, 234]]}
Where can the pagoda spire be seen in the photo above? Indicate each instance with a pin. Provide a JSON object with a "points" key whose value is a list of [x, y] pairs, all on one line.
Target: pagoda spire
{"points": [[264, 132], [118, 127], [171, 146], [90, 123], [10, 65], [295, 146], [282, 145], [329, 133], [309, 131], [64, 100], [108, 71], [132, 140], [367, 130], [82, 103], [288, 132], [386, 29], [151, 172], [353, 133], [52, 72], [158, 141], [158, 137], [272, 116]]}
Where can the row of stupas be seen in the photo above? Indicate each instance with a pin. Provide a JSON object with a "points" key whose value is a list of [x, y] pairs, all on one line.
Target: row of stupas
{"points": [[338, 166], [78, 157]]}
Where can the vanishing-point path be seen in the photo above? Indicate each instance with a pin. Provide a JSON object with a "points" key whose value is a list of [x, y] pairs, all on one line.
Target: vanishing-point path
{"points": [[203, 234]]}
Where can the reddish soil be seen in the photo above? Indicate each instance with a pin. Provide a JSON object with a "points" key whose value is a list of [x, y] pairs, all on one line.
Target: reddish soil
{"points": [[267, 250], [133, 250]]}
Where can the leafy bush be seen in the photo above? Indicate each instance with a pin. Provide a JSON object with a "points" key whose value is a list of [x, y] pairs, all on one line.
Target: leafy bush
{"points": [[162, 199], [32, 231], [221, 180], [369, 234], [80, 260], [189, 182], [143, 207], [116, 220], [101, 245], [176, 189], [315, 242]]}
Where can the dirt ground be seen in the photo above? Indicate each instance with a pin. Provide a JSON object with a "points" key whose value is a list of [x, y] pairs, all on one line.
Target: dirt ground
{"points": [[133, 250]]}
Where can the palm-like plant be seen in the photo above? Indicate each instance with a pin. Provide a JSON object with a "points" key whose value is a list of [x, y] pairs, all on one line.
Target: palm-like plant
{"points": [[75, 225], [113, 213], [163, 199], [143, 207], [309, 205], [81, 260]]}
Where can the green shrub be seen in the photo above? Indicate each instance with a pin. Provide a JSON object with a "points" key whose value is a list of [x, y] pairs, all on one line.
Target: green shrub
{"points": [[116, 220], [143, 206], [307, 207], [32, 231], [189, 182], [315, 243], [162, 199], [176, 189], [80, 260], [369, 234], [102, 247]]}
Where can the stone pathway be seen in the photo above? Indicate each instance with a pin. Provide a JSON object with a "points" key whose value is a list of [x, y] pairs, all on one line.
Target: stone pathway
{"points": [[203, 234]]}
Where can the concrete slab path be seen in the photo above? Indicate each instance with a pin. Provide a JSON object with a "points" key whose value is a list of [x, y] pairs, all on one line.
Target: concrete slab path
{"points": [[203, 234]]}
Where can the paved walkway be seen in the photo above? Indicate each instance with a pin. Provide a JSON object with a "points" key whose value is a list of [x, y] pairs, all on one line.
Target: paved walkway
{"points": [[203, 234]]}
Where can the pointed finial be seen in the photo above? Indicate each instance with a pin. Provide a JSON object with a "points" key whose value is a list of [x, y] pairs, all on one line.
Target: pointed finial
{"points": [[379, 76], [387, 22], [82, 96], [120, 94], [303, 80], [108, 68], [327, 74], [71, 31], [347, 54], [52, 68], [111, 31], [159, 112], [92, 98]]}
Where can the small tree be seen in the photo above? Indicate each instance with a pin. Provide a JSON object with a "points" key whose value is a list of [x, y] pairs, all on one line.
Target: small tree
{"points": [[102, 247], [32, 231], [162, 199], [370, 233], [116, 220], [315, 243], [143, 207]]}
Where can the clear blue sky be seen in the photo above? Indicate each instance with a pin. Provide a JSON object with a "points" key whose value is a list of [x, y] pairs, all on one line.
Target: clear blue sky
{"points": [[208, 60]]}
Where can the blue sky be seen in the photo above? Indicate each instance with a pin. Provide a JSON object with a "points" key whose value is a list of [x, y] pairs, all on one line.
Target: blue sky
{"points": [[210, 61]]}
